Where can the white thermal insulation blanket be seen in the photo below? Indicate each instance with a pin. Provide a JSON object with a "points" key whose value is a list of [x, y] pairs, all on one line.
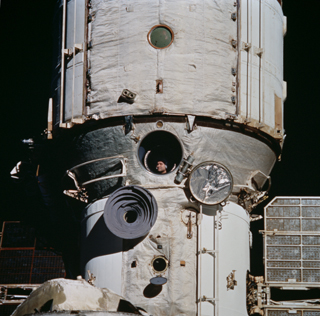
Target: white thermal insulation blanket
{"points": [[69, 295], [178, 296], [195, 68]]}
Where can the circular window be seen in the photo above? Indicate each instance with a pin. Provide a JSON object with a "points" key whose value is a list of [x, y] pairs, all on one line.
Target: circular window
{"points": [[210, 183], [160, 152], [159, 264], [160, 36]]}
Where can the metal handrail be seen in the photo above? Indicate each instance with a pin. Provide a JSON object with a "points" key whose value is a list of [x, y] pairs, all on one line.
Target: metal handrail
{"points": [[122, 174]]}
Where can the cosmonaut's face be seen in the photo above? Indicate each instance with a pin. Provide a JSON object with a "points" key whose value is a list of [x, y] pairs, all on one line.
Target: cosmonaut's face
{"points": [[161, 167]]}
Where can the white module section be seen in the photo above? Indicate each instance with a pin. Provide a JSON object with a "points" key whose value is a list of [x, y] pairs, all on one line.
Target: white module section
{"points": [[195, 69], [241, 154], [233, 260], [101, 251], [69, 91], [171, 239], [260, 75]]}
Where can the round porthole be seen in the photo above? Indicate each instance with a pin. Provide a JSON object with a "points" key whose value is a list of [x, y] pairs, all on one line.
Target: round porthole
{"points": [[160, 36], [210, 183], [159, 264], [160, 152]]}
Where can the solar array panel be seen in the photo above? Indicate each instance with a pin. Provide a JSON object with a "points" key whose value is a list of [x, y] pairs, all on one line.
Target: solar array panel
{"points": [[292, 241]]}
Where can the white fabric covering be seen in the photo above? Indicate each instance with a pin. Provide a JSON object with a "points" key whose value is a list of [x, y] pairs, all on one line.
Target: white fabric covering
{"points": [[195, 69]]}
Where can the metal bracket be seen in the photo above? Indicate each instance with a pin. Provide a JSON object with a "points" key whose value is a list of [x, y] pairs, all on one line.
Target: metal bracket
{"points": [[189, 227], [79, 194], [258, 51], [211, 300], [68, 52], [208, 251], [127, 96], [93, 116], [231, 282], [189, 218], [255, 217], [246, 46], [135, 138], [78, 47], [91, 279]]}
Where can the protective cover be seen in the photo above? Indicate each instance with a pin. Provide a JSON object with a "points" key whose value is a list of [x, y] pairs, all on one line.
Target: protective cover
{"points": [[71, 295], [195, 68]]}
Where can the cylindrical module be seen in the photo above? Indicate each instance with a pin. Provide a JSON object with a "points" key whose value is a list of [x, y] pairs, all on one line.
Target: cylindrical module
{"points": [[140, 87]]}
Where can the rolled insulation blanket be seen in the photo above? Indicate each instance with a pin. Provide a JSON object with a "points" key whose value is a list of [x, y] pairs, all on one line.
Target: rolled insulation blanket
{"points": [[130, 212]]}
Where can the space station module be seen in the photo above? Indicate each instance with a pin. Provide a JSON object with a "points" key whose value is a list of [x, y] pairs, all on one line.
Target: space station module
{"points": [[167, 117]]}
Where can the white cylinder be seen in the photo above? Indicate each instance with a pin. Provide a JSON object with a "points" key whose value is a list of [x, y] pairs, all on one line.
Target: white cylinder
{"points": [[233, 255], [101, 251]]}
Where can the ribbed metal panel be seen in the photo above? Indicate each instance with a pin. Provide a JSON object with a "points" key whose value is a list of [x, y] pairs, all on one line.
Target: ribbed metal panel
{"points": [[292, 241]]}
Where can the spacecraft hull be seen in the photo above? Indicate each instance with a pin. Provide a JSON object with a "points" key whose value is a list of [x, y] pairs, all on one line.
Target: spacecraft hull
{"points": [[196, 87]]}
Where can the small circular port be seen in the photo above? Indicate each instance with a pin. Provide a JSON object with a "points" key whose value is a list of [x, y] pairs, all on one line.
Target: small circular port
{"points": [[160, 36], [159, 264], [159, 124]]}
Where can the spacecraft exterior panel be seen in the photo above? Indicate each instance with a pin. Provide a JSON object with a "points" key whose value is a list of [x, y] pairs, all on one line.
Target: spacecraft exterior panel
{"points": [[97, 241], [209, 91], [195, 68], [241, 154], [233, 244], [261, 65], [225, 233], [224, 60]]}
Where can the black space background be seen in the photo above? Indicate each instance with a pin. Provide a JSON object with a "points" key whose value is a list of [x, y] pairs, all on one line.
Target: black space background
{"points": [[26, 63]]}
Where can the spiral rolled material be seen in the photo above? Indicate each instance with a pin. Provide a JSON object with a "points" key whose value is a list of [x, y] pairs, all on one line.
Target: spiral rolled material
{"points": [[130, 212]]}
